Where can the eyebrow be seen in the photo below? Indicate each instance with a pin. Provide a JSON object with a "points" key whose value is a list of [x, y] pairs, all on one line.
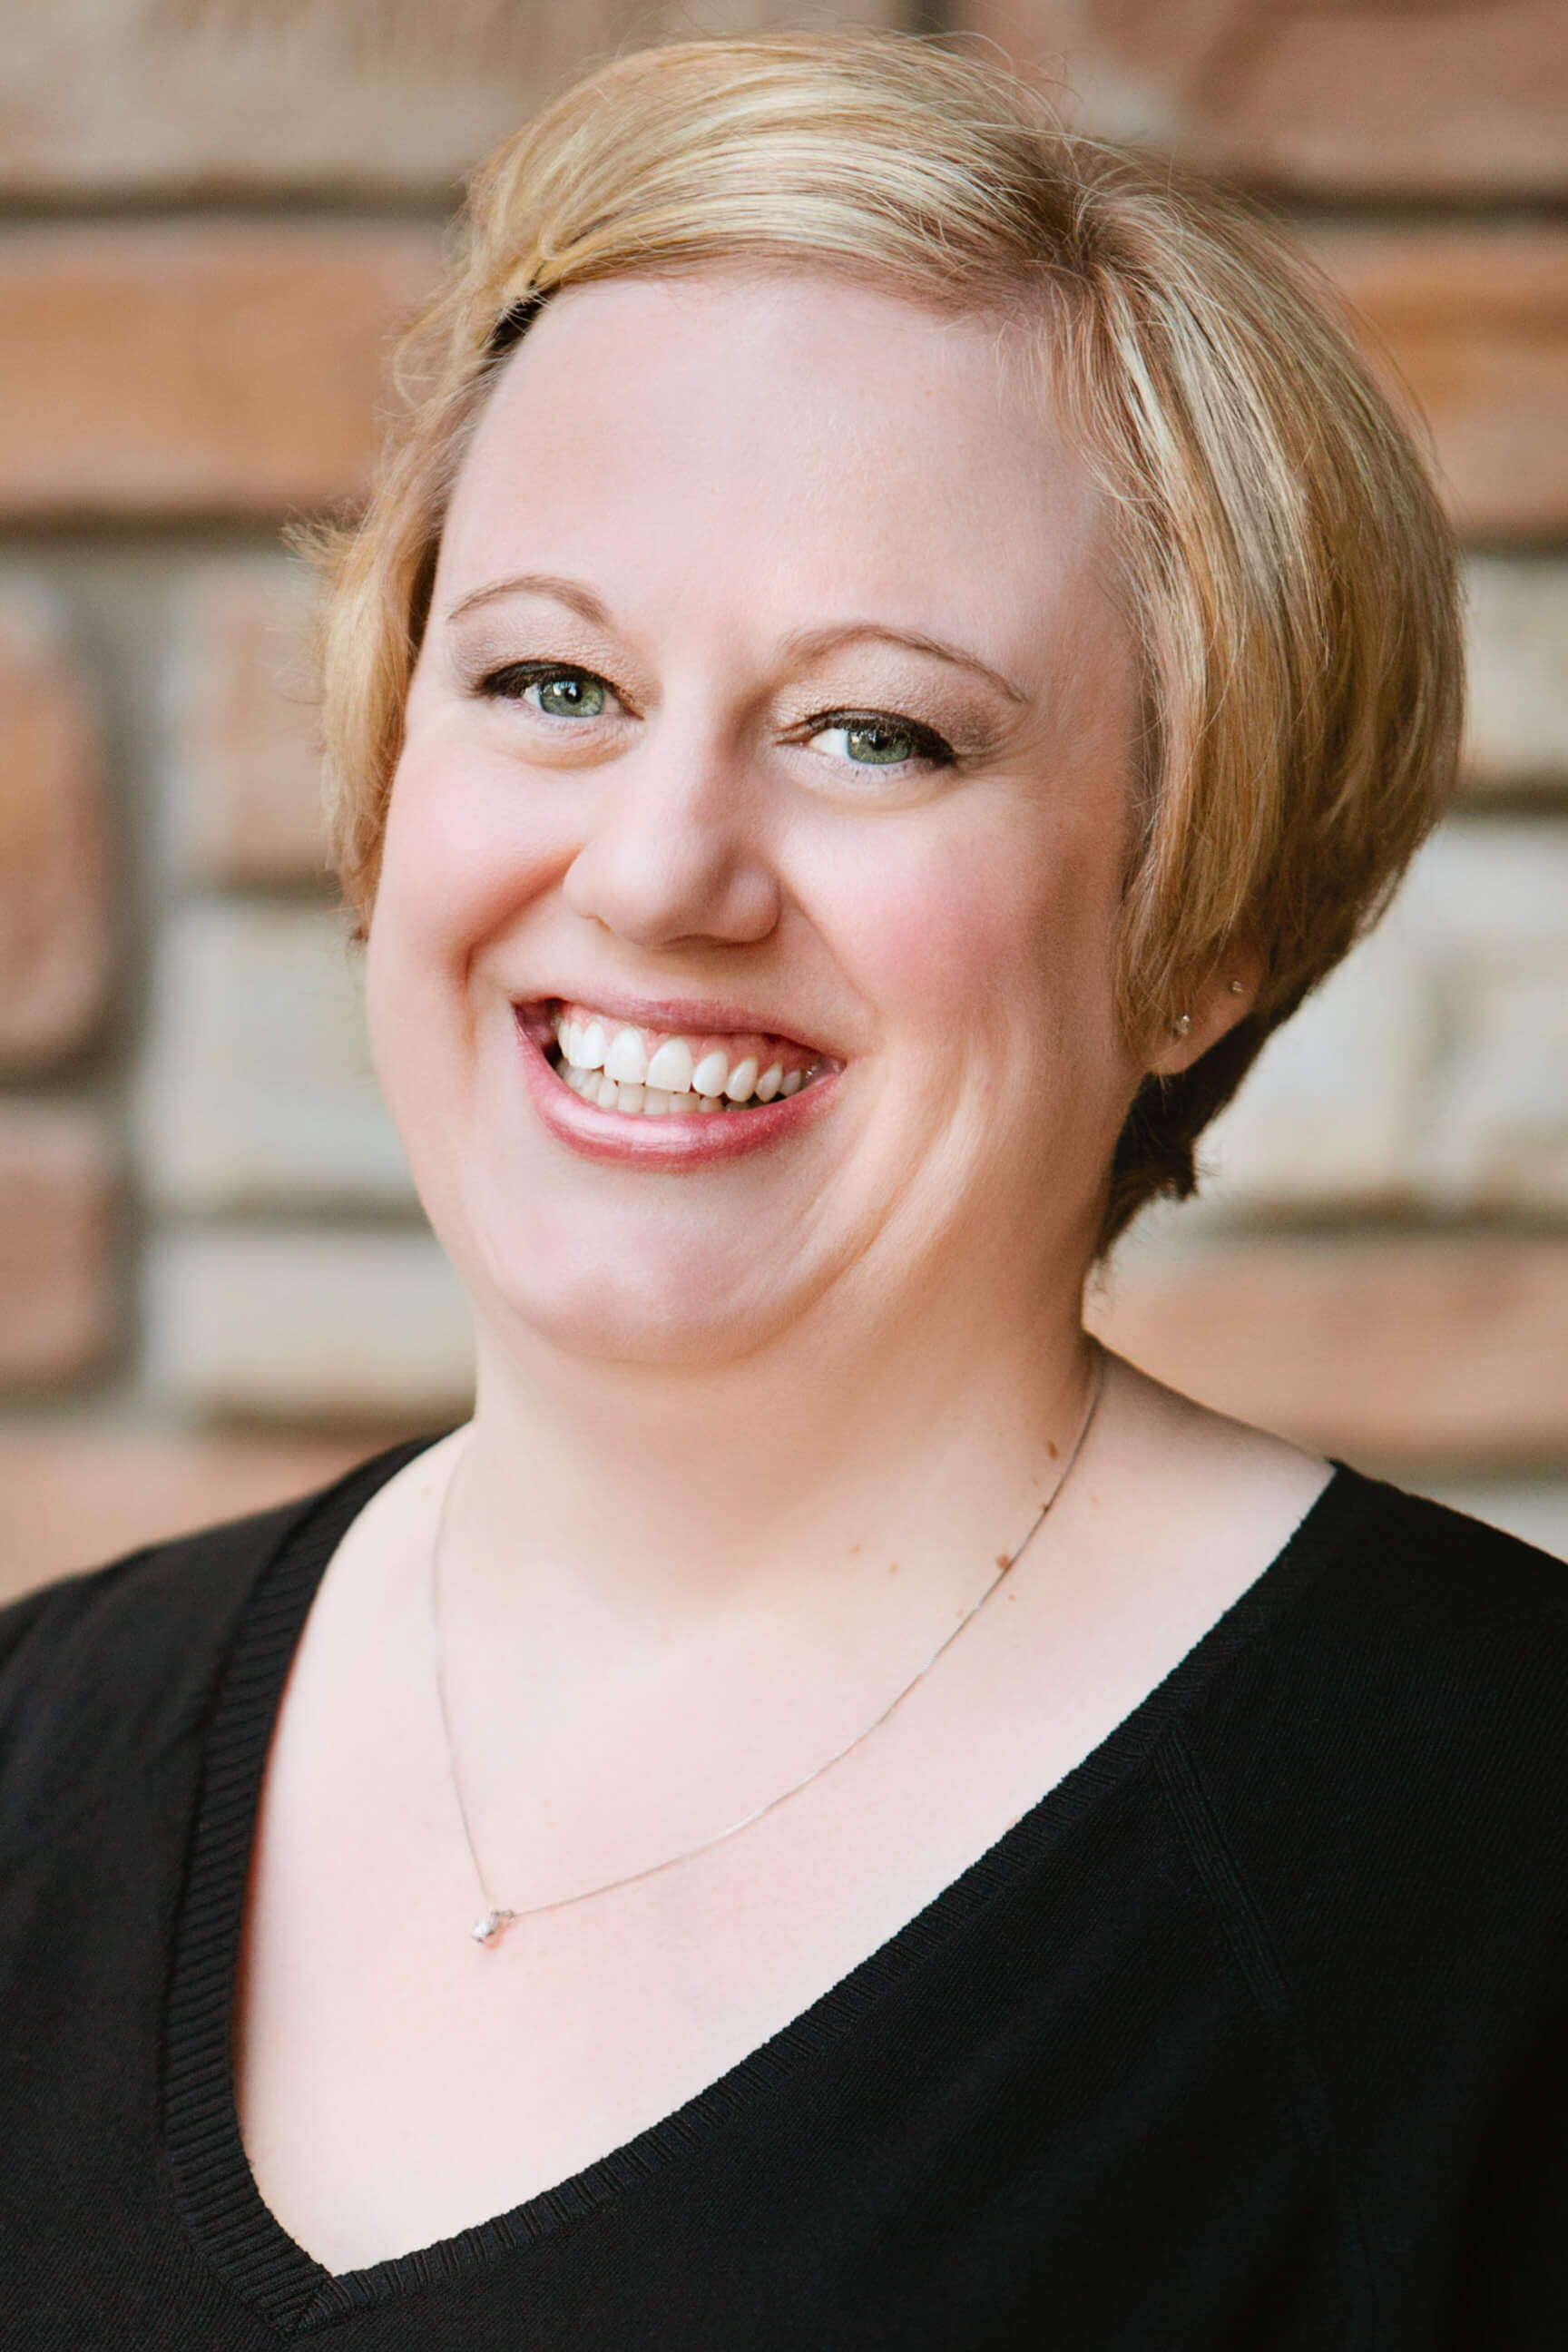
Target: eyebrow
{"points": [[570, 592], [813, 642], [805, 644]]}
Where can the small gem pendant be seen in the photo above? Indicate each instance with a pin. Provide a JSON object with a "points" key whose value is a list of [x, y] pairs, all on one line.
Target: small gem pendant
{"points": [[488, 1929]]}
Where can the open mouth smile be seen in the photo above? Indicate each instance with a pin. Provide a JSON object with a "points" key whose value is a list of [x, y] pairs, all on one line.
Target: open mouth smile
{"points": [[656, 1074], [673, 1095]]}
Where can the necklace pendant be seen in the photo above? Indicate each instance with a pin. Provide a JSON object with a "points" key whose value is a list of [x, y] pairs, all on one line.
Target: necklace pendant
{"points": [[489, 1929]]}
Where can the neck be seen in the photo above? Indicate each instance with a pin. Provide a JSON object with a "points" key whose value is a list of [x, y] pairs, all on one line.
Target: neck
{"points": [[675, 1495]]}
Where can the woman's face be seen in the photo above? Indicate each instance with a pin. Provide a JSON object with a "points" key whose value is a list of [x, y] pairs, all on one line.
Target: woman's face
{"points": [[773, 733]]}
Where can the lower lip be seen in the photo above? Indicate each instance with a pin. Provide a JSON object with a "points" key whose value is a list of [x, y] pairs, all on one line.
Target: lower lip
{"points": [[680, 1139]]}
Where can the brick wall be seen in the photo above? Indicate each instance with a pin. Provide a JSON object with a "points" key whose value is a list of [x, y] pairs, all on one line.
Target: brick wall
{"points": [[215, 1285]]}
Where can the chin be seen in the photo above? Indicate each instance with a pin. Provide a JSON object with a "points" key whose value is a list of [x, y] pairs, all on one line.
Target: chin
{"points": [[639, 1323], [680, 1302]]}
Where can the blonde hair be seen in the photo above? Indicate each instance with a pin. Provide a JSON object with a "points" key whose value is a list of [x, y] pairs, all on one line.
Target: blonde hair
{"points": [[1288, 570]]}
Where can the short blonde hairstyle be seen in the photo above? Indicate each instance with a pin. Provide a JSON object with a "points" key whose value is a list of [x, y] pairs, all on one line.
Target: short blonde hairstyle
{"points": [[1288, 571]]}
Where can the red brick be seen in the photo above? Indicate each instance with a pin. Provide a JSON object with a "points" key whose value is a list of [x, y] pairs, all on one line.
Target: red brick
{"points": [[73, 1495], [234, 368], [1446, 100], [1466, 97], [57, 1266], [1475, 320], [1416, 1349], [242, 714], [54, 919]]}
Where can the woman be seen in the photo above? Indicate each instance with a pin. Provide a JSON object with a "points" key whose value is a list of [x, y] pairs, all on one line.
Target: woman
{"points": [[891, 648]]}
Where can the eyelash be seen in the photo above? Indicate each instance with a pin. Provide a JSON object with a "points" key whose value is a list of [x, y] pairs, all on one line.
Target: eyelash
{"points": [[928, 745], [512, 680]]}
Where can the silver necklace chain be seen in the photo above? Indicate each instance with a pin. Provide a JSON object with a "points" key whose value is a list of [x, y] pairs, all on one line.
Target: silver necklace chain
{"points": [[495, 1919]]}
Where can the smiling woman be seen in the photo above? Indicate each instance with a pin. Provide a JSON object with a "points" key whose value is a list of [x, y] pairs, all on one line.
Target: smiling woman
{"points": [[892, 647], [645, 824]]}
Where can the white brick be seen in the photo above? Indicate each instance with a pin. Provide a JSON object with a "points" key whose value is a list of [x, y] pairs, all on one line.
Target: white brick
{"points": [[258, 1088], [305, 1324], [1518, 730], [1327, 1115], [1432, 1068], [1497, 1135], [1492, 887], [1493, 902]]}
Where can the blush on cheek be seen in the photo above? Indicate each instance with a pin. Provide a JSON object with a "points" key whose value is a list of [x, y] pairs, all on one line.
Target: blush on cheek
{"points": [[934, 949], [944, 936], [465, 852]]}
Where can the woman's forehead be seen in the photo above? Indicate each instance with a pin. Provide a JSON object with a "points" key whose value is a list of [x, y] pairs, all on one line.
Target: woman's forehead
{"points": [[797, 430]]}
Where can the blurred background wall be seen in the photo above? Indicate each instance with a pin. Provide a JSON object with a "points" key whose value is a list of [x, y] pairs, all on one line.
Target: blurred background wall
{"points": [[215, 1285]]}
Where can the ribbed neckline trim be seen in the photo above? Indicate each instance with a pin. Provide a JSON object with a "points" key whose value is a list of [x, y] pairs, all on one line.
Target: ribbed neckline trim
{"points": [[222, 2207]]}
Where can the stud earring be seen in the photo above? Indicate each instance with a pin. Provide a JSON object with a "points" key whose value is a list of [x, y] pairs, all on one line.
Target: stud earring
{"points": [[1183, 1025], [1237, 988]]}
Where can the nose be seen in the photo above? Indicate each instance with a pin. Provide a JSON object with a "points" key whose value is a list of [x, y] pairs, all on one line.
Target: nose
{"points": [[676, 853]]}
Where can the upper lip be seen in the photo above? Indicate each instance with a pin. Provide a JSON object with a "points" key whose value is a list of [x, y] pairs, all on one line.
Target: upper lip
{"points": [[677, 1016]]}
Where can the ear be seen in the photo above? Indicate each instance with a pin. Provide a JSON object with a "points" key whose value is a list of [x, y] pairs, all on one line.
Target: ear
{"points": [[1210, 1008]]}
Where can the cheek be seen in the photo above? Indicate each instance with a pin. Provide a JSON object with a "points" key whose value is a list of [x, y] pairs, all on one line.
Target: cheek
{"points": [[456, 867], [465, 850], [408, 961], [992, 929]]}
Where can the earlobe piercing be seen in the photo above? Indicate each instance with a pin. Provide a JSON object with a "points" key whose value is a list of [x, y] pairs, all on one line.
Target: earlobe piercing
{"points": [[1182, 1024], [1237, 988]]}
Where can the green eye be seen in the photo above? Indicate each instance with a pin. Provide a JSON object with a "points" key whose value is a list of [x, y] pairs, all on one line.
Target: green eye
{"points": [[877, 745], [870, 742], [570, 694]]}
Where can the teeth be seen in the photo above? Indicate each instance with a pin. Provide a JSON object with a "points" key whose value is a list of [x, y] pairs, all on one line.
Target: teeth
{"points": [[671, 1066], [627, 1059], [610, 1065], [658, 1102]]}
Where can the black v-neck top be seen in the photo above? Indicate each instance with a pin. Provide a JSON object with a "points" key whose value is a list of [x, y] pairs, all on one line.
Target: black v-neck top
{"points": [[1248, 2038]]}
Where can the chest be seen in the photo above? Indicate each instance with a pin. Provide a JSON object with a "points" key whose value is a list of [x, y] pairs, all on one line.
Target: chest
{"points": [[399, 2082], [1042, 2119]]}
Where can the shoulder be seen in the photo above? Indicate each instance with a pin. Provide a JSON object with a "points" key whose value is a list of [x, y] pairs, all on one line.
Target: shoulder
{"points": [[103, 1671], [1390, 1733], [1389, 1574], [117, 1623], [1407, 1619]]}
